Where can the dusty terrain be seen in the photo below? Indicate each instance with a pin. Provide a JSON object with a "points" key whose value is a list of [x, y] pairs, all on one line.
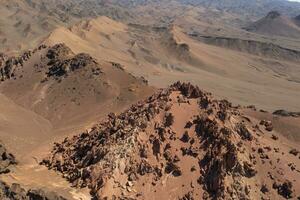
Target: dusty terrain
{"points": [[165, 54], [66, 64]]}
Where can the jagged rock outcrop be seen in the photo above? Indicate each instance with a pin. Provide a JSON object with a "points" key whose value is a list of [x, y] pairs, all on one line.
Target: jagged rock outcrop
{"points": [[9, 65], [58, 51], [62, 61], [6, 160], [285, 113], [16, 192], [181, 137]]}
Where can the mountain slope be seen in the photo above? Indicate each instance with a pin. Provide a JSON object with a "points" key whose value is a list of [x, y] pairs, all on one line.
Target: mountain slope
{"points": [[48, 93], [22, 25], [58, 84], [180, 143]]}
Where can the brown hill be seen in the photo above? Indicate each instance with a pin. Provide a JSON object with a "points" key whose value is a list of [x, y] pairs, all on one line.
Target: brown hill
{"points": [[47, 94], [275, 24], [58, 84], [181, 143]]}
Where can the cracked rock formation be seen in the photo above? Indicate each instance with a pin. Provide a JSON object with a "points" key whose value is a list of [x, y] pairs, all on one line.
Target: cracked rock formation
{"points": [[16, 192], [6, 160], [179, 143]]}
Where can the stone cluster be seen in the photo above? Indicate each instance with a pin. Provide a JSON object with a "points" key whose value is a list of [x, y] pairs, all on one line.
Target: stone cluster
{"points": [[223, 143]]}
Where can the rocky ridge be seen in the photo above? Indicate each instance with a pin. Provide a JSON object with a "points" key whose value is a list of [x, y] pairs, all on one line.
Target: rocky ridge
{"points": [[179, 137], [60, 61]]}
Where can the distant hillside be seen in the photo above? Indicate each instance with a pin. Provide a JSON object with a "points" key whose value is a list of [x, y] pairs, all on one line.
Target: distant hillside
{"points": [[275, 24], [24, 23], [251, 8]]}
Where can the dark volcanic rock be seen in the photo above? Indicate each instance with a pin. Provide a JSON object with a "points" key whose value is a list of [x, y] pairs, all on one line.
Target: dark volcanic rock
{"points": [[10, 65], [273, 14], [169, 119], [58, 51], [294, 152], [16, 192], [62, 61], [285, 113], [62, 67], [188, 90], [285, 189], [268, 125], [40, 194], [6, 160], [244, 132]]}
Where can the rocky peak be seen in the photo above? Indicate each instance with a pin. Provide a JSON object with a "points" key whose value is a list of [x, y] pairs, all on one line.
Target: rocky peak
{"points": [[62, 61], [180, 134], [117, 131], [273, 15], [8, 65], [58, 51]]}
